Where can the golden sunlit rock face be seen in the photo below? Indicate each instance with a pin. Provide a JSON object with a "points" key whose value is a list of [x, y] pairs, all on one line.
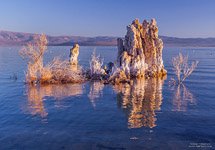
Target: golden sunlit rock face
{"points": [[74, 52], [140, 53], [140, 100]]}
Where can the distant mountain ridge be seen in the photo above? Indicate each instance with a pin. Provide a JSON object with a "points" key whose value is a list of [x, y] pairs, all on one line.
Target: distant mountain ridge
{"points": [[8, 38], [188, 42]]}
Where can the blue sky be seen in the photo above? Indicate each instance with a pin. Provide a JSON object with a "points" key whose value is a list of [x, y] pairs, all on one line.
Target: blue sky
{"points": [[178, 18]]}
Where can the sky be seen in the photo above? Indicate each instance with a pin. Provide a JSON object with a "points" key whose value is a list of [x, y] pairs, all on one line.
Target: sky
{"points": [[177, 18]]}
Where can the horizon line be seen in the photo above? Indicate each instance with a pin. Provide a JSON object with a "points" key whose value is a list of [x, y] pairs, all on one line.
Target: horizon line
{"points": [[100, 35]]}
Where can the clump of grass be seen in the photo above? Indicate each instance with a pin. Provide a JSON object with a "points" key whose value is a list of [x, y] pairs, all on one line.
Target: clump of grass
{"points": [[59, 71], [182, 68], [56, 71]]}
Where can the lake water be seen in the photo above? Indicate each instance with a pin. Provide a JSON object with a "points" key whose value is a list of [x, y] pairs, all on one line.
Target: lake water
{"points": [[147, 114]]}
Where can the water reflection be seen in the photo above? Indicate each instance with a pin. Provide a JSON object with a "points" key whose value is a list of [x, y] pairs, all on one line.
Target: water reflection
{"points": [[36, 96], [182, 97], [96, 90], [140, 100]]}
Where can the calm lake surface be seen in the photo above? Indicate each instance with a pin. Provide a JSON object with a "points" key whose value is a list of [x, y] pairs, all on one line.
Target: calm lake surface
{"points": [[148, 114]]}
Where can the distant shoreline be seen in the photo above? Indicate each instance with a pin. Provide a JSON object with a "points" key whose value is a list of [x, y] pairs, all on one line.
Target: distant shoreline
{"points": [[179, 47], [8, 38]]}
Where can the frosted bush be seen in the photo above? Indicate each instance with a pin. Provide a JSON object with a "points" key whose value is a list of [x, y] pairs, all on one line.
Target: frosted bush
{"points": [[182, 68], [56, 71], [96, 63]]}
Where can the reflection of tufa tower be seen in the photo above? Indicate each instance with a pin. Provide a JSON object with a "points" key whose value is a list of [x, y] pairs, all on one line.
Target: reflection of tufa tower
{"points": [[140, 100]]}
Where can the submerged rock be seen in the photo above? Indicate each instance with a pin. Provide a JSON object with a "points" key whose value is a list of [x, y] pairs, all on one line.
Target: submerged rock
{"points": [[140, 53]]}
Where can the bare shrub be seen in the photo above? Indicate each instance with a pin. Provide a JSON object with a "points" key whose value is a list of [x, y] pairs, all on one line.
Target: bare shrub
{"points": [[56, 71], [33, 53], [182, 68], [96, 69]]}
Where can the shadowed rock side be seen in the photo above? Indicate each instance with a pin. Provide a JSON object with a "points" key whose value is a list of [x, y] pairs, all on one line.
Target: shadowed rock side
{"points": [[140, 53], [140, 100]]}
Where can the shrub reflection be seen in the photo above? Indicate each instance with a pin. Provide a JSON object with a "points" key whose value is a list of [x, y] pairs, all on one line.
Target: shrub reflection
{"points": [[36, 95], [140, 99], [96, 90], [182, 98]]}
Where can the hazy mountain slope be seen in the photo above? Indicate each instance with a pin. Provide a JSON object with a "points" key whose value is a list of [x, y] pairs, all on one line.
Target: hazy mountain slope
{"points": [[184, 42], [8, 38]]}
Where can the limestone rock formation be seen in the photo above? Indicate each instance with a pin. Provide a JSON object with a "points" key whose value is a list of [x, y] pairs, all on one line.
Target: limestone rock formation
{"points": [[74, 52], [140, 53]]}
